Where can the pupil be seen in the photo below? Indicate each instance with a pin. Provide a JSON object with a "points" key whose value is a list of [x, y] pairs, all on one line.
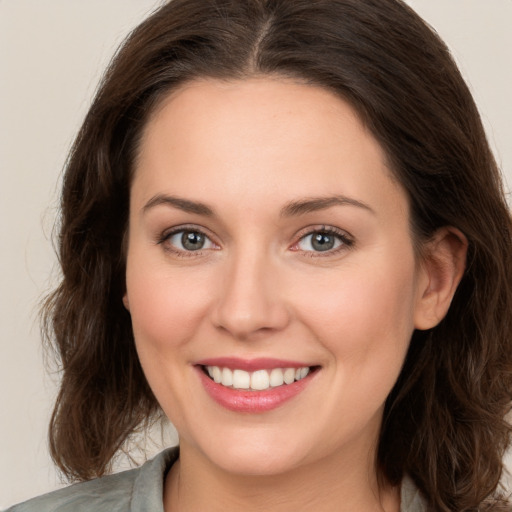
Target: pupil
{"points": [[192, 241], [322, 242]]}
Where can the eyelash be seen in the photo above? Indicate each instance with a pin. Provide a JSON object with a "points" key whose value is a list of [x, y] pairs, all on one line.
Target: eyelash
{"points": [[346, 241], [167, 235]]}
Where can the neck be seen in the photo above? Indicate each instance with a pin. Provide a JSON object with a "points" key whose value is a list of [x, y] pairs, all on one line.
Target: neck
{"points": [[336, 483]]}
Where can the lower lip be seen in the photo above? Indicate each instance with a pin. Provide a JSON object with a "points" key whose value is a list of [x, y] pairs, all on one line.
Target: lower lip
{"points": [[252, 401]]}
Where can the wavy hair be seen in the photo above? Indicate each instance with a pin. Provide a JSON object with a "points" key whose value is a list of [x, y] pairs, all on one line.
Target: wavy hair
{"points": [[444, 420]]}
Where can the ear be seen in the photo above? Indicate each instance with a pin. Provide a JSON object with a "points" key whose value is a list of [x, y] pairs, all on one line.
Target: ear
{"points": [[126, 302], [442, 268]]}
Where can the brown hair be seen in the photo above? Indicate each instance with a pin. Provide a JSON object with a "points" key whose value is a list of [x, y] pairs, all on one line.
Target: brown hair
{"points": [[444, 420]]}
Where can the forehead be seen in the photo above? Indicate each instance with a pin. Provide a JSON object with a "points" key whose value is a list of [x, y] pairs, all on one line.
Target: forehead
{"points": [[260, 137], [281, 106]]}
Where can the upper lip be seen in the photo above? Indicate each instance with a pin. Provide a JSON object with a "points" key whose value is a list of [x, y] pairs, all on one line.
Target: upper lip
{"points": [[250, 365]]}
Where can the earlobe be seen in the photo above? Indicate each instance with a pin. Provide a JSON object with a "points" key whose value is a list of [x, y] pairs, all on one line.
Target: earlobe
{"points": [[442, 269], [126, 302]]}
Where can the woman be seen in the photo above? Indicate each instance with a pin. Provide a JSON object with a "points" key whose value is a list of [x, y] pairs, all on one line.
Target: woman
{"points": [[283, 227]]}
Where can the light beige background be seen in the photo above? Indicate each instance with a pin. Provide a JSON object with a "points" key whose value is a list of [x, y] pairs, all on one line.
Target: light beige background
{"points": [[52, 53]]}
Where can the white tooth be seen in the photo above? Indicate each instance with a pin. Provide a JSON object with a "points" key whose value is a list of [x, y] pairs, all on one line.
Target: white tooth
{"points": [[289, 375], [227, 377], [297, 374], [260, 380], [217, 374], [304, 371], [276, 377], [209, 369], [241, 379]]}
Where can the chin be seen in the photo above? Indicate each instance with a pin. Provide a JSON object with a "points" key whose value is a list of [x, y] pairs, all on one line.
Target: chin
{"points": [[258, 462], [254, 455]]}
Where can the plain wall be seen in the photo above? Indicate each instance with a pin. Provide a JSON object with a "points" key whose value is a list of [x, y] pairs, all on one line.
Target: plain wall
{"points": [[52, 53]]}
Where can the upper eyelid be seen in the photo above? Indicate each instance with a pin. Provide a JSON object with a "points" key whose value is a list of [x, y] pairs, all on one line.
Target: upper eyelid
{"points": [[342, 233], [186, 227]]}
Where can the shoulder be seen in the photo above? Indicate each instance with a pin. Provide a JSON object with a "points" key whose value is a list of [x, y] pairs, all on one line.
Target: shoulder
{"points": [[92, 495], [411, 499], [120, 492]]}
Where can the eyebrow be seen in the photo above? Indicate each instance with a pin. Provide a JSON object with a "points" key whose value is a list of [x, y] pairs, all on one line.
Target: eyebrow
{"points": [[291, 209], [313, 204], [185, 205]]}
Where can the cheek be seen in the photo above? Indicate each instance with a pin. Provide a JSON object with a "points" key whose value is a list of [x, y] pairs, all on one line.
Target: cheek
{"points": [[166, 307], [364, 316]]}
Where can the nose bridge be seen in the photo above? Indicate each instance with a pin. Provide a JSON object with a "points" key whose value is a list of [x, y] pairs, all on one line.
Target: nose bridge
{"points": [[249, 299]]}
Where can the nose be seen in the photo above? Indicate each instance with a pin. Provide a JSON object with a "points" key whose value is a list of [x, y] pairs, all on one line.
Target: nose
{"points": [[250, 299]]}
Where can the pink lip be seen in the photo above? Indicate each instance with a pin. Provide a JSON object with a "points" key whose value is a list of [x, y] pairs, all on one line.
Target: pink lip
{"points": [[251, 365], [252, 401]]}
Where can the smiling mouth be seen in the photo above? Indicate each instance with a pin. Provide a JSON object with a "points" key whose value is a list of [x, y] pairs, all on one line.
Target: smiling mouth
{"points": [[259, 380]]}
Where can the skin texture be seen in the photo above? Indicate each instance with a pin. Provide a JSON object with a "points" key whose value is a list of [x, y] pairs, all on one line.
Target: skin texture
{"points": [[247, 150]]}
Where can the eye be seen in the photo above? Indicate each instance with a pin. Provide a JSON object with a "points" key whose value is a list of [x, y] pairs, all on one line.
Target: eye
{"points": [[323, 240], [188, 240]]}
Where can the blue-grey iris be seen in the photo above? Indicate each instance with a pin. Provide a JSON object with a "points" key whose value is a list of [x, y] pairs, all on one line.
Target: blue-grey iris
{"points": [[192, 240], [322, 241]]}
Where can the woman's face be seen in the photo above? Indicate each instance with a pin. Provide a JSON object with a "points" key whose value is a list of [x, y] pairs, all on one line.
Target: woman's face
{"points": [[268, 242]]}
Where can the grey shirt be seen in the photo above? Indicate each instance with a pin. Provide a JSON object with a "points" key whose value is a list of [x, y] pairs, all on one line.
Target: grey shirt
{"points": [[141, 490]]}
